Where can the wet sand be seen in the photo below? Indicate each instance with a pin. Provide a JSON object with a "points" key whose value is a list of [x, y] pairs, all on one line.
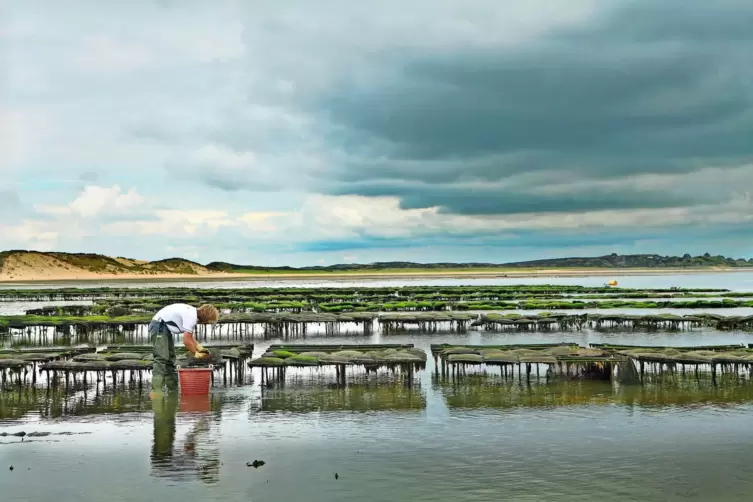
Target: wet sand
{"points": [[42, 276]]}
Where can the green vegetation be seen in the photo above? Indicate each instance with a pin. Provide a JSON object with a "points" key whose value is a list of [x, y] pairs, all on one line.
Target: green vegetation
{"points": [[520, 353], [128, 296], [638, 261], [396, 321], [607, 261], [324, 355], [689, 355], [102, 322], [30, 320], [615, 304], [290, 310], [135, 309], [530, 305], [89, 261], [239, 305]]}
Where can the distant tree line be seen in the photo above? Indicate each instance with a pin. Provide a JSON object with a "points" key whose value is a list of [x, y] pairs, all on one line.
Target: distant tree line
{"points": [[613, 260]]}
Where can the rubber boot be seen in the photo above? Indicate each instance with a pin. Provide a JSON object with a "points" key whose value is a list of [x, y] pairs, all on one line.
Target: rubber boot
{"points": [[171, 382], [164, 433], [158, 381]]}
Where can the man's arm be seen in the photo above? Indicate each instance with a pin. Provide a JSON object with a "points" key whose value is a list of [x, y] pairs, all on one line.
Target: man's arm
{"points": [[190, 342], [189, 325]]}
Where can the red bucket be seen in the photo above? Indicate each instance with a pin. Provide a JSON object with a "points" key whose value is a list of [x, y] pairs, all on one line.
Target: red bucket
{"points": [[194, 381], [195, 404]]}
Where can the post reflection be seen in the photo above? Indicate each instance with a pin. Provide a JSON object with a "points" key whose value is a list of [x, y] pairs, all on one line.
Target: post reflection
{"points": [[493, 391], [192, 456]]}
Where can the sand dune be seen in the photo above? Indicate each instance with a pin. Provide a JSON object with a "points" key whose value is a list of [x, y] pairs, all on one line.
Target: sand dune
{"points": [[37, 266], [34, 266]]}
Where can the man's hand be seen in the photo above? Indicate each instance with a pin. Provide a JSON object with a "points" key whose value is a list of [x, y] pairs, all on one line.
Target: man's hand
{"points": [[191, 344], [194, 346]]}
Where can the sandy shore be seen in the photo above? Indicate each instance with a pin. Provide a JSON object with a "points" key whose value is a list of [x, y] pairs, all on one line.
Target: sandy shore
{"points": [[42, 277]]}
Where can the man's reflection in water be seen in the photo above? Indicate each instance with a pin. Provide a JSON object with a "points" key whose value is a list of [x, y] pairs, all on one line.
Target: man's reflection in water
{"points": [[194, 457]]}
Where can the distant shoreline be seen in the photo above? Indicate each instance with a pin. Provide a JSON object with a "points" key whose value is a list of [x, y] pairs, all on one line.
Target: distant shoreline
{"points": [[42, 278]]}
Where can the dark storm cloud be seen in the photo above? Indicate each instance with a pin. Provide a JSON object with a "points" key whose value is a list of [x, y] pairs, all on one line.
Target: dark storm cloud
{"points": [[674, 239], [651, 88], [495, 103], [522, 239], [485, 127], [481, 200]]}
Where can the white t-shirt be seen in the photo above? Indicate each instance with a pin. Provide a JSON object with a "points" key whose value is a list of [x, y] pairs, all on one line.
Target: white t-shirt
{"points": [[184, 316]]}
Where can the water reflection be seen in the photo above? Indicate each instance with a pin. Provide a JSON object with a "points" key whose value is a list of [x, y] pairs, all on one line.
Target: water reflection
{"points": [[196, 454], [185, 428], [25, 402], [466, 440], [493, 391], [360, 395]]}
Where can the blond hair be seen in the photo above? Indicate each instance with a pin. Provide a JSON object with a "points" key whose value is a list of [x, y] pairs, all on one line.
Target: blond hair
{"points": [[207, 313]]}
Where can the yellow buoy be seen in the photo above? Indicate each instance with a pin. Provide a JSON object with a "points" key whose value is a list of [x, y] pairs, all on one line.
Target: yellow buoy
{"points": [[612, 283]]}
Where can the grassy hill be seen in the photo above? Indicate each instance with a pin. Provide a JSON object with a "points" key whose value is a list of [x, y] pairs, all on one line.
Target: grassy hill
{"points": [[638, 261], [34, 265], [17, 264], [616, 261]]}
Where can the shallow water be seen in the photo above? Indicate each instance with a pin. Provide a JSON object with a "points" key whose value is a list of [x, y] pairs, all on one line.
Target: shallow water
{"points": [[48, 337], [20, 308], [475, 439], [734, 281]]}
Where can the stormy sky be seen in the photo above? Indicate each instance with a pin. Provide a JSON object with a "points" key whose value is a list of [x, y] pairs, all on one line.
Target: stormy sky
{"points": [[295, 132]]}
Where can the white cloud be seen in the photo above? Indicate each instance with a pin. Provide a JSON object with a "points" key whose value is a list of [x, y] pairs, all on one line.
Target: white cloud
{"points": [[175, 223], [265, 224], [351, 216], [30, 234], [194, 232], [98, 201]]}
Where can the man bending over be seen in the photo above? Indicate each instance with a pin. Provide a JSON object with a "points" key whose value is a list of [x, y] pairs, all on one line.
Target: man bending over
{"points": [[170, 321]]}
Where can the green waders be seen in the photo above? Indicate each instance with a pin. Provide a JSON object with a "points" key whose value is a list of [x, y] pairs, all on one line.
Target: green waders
{"points": [[164, 409], [164, 371]]}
